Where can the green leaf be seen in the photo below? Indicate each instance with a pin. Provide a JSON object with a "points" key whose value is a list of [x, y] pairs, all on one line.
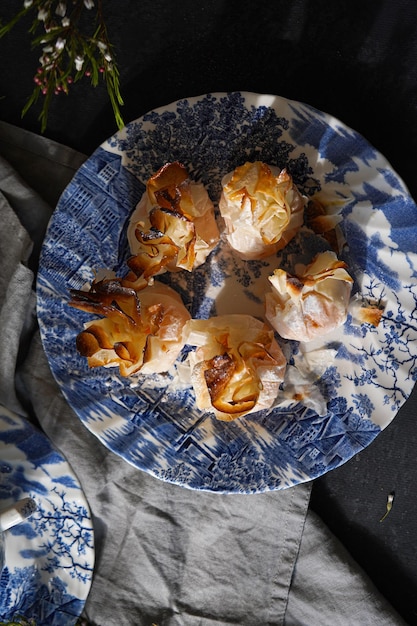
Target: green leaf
{"points": [[8, 27]]}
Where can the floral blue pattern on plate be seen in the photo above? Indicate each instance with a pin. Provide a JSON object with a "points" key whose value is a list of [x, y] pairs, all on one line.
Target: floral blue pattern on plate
{"points": [[49, 558], [152, 422]]}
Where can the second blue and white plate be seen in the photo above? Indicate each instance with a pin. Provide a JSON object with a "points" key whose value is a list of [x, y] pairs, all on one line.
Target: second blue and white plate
{"points": [[153, 424], [49, 558]]}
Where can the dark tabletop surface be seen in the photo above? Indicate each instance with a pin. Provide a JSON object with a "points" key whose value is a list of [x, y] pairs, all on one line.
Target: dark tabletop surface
{"points": [[354, 60]]}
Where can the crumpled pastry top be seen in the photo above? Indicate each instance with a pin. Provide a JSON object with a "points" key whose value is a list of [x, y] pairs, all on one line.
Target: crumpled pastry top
{"points": [[237, 367], [262, 209], [173, 226], [138, 331], [312, 303]]}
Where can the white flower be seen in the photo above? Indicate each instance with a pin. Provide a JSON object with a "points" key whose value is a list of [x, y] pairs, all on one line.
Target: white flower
{"points": [[60, 43], [89, 4], [42, 14], [79, 62], [102, 45], [61, 9], [66, 22], [27, 3]]}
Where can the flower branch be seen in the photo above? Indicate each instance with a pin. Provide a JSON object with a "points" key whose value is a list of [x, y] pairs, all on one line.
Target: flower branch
{"points": [[68, 54]]}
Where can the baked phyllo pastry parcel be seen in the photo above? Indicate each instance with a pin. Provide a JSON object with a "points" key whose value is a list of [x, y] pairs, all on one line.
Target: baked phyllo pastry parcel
{"points": [[138, 331], [173, 226], [237, 366], [311, 303], [262, 209]]}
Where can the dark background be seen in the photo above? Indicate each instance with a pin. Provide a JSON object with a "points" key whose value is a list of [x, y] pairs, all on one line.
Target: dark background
{"points": [[354, 60]]}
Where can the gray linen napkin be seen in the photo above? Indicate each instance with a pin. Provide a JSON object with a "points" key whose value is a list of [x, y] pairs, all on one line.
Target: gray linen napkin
{"points": [[166, 555], [15, 295]]}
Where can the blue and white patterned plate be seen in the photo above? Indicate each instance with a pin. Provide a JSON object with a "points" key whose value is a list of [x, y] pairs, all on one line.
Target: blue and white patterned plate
{"points": [[154, 424], [49, 558]]}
